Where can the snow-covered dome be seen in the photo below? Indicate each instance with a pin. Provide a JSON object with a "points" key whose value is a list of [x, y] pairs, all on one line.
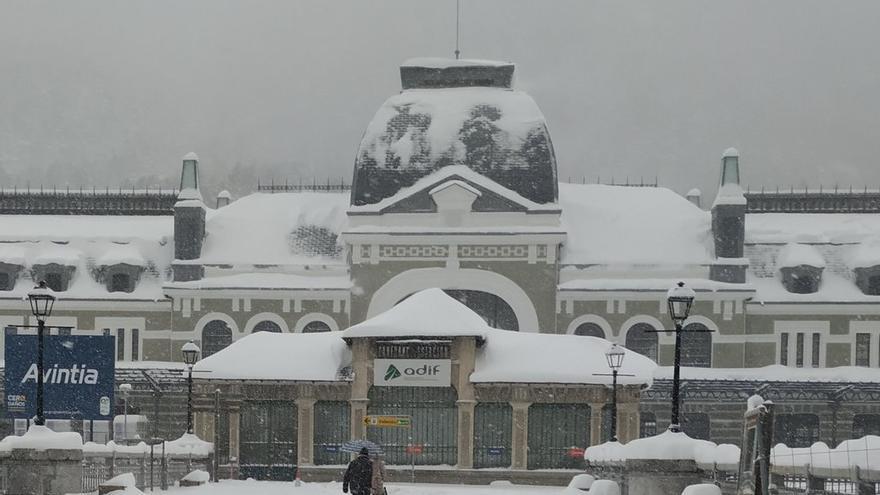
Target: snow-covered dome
{"points": [[456, 114]]}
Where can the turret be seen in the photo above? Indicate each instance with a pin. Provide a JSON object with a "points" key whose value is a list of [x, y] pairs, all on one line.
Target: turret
{"points": [[728, 223], [189, 223]]}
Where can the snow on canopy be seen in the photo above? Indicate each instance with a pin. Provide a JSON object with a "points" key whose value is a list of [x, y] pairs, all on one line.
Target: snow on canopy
{"points": [[497, 132], [793, 255], [276, 229], [862, 452], [428, 313], [627, 226], [668, 445], [40, 437], [278, 356], [510, 357]]}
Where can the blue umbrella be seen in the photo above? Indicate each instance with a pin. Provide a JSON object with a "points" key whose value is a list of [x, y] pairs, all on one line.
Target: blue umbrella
{"points": [[357, 445]]}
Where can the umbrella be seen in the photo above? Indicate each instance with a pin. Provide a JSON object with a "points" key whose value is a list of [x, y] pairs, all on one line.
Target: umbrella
{"points": [[357, 445]]}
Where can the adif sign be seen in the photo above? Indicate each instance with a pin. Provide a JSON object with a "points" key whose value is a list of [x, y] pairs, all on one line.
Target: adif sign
{"points": [[412, 372]]}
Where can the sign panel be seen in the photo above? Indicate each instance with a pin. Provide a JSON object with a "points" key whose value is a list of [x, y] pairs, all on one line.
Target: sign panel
{"points": [[412, 372], [388, 421], [78, 376]]}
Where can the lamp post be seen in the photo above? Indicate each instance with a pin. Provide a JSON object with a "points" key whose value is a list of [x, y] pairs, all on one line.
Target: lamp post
{"points": [[615, 361], [680, 299], [190, 355], [125, 389], [42, 300]]}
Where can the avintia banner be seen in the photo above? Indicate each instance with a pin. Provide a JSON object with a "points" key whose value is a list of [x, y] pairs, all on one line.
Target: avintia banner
{"points": [[78, 376], [412, 372]]}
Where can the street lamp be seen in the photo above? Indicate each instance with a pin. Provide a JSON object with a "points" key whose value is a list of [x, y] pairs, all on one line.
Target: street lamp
{"points": [[615, 361], [190, 355], [125, 389], [42, 299], [680, 299]]}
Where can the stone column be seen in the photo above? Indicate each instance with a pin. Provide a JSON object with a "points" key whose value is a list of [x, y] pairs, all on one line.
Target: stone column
{"points": [[520, 438], [305, 408], [48, 472], [627, 421], [596, 422], [234, 422], [466, 433], [203, 425], [362, 365]]}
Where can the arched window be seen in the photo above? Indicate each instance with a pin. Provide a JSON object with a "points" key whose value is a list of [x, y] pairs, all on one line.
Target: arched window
{"points": [[55, 281], [696, 347], [216, 336], [641, 338], [796, 430], [493, 309], [315, 327], [647, 424], [589, 329], [267, 326]]}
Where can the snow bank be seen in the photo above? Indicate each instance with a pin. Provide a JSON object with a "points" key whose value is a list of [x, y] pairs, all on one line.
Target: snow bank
{"points": [[702, 489], [42, 438], [124, 479], [257, 228], [793, 255], [628, 226], [278, 356], [428, 313], [862, 452], [511, 357], [604, 487], [866, 255], [811, 227], [442, 62], [197, 476], [189, 444], [668, 446]]}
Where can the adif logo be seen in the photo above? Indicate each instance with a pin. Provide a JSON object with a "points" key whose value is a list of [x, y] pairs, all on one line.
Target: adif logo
{"points": [[391, 373], [75, 375]]}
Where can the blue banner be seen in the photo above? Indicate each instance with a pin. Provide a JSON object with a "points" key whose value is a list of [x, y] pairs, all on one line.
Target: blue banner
{"points": [[78, 376]]}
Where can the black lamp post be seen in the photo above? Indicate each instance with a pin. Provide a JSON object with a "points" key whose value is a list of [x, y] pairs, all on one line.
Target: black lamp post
{"points": [[190, 355], [680, 299], [42, 300], [615, 361]]}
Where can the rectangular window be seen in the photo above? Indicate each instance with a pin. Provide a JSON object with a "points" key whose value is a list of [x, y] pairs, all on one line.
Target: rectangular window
{"points": [[106, 332], [4, 281], [799, 351], [120, 344], [863, 349], [135, 345], [816, 346], [783, 349]]}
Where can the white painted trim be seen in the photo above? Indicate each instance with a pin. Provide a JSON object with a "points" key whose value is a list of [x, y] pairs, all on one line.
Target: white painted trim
{"points": [[266, 316], [871, 328], [310, 317], [412, 281], [598, 320], [196, 332]]}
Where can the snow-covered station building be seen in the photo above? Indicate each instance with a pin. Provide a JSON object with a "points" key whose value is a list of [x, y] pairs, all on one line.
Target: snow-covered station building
{"points": [[455, 187]]}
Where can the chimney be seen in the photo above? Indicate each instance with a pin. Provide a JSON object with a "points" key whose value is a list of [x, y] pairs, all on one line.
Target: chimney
{"points": [[189, 223], [223, 199], [695, 197], [728, 223]]}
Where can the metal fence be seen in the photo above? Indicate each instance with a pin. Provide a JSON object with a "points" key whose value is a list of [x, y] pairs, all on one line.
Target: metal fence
{"points": [[268, 449], [493, 428], [149, 471], [332, 429], [558, 433]]}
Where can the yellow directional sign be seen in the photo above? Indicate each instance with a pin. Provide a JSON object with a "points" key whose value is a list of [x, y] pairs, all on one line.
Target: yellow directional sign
{"points": [[388, 421]]}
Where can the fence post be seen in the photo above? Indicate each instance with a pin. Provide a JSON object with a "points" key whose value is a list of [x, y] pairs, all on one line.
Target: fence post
{"points": [[814, 483], [143, 471], [163, 483], [113, 464], [862, 487]]}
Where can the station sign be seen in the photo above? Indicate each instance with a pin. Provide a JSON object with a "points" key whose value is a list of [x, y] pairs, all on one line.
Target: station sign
{"points": [[388, 421], [412, 372], [78, 376]]}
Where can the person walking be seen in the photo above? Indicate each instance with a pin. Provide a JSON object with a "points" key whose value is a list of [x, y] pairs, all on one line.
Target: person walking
{"points": [[378, 476], [359, 475]]}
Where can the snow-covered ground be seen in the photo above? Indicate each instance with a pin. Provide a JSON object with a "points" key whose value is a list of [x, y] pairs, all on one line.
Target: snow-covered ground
{"points": [[250, 487]]}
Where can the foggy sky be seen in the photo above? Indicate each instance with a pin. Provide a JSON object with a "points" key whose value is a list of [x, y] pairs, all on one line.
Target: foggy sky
{"points": [[106, 92]]}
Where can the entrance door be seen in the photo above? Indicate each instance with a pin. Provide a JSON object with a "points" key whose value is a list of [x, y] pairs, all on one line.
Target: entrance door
{"points": [[432, 437], [268, 440]]}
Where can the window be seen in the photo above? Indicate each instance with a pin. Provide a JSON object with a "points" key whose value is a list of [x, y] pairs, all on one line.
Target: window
{"points": [[216, 336], [589, 330], [863, 349], [866, 424], [4, 281], [135, 344], [315, 327], [783, 349], [816, 346], [120, 282], [696, 346], [493, 309], [799, 351], [55, 281], [120, 344], [696, 425], [873, 285], [647, 424], [796, 430], [267, 326], [642, 338]]}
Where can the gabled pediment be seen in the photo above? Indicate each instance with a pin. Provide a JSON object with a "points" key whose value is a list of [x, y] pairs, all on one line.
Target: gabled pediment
{"points": [[454, 188]]}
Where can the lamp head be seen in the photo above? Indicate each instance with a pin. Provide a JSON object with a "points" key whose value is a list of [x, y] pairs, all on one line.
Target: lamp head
{"points": [[615, 355], [680, 299], [42, 298], [190, 353]]}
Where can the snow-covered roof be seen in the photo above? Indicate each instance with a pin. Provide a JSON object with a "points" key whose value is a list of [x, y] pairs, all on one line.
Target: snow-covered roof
{"points": [[278, 356], [42, 438], [832, 288], [677, 446], [427, 313], [266, 281], [730, 152], [865, 255], [628, 226], [793, 255], [511, 357], [443, 62], [812, 227], [276, 229], [121, 254], [191, 156], [660, 285], [498, 132], [776, 373]]}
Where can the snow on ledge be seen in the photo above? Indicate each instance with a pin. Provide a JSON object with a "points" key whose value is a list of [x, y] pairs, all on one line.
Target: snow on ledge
{"points": [[792, 255], [42, 438]]}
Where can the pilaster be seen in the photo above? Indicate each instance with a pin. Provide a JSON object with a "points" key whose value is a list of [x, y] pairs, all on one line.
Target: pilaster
{"points": [[466, 433], [520, 438], [305, 408], [595, 425]]}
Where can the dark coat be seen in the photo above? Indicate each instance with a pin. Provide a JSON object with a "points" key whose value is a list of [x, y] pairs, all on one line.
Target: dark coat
{"points": [[358, 476]]}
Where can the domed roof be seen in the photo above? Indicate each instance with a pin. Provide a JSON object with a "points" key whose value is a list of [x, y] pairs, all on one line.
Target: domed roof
{"points": [[456, 114]]}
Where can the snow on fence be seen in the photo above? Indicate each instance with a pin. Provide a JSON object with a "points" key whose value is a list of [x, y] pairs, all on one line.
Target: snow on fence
{"points": [[102, 462]]}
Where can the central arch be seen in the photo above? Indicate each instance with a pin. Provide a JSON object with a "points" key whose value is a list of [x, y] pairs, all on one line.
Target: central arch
{"points": [[410, 281]]}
